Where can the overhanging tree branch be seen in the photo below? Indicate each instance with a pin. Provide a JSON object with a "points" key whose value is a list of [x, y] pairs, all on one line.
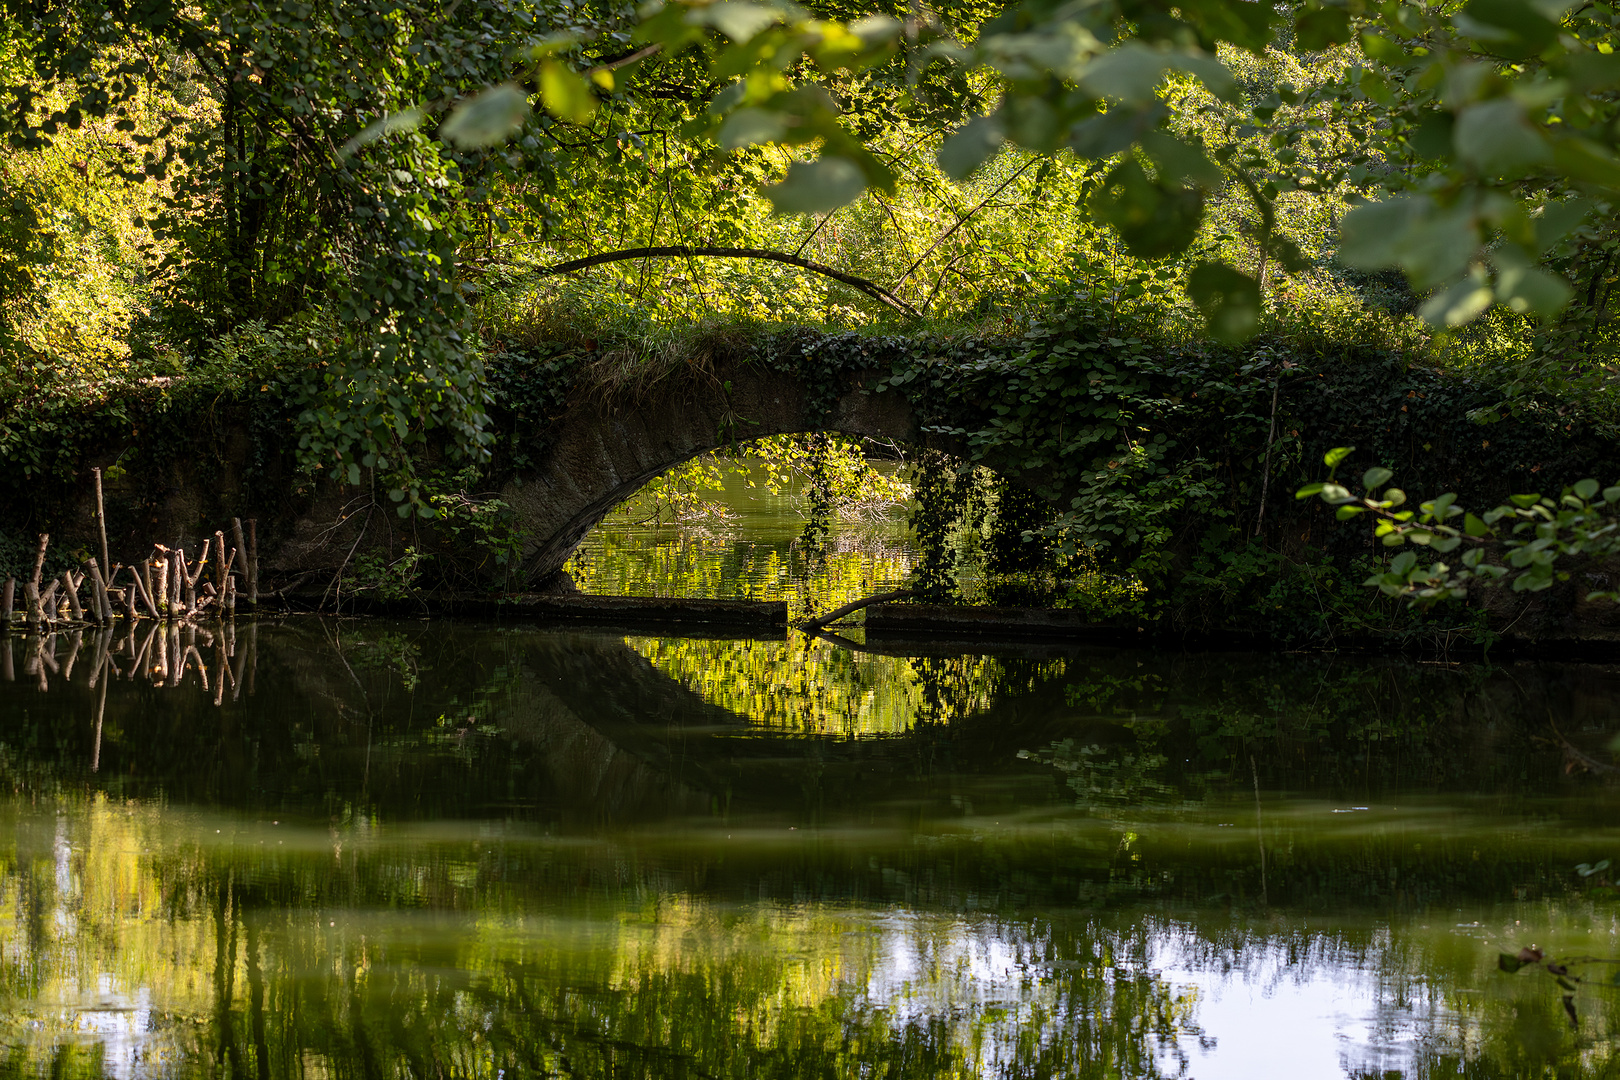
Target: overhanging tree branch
{"points": [[870, 288]]}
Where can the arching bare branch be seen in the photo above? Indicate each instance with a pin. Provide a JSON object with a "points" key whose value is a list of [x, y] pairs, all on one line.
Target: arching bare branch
{"points": [[870, 288]]}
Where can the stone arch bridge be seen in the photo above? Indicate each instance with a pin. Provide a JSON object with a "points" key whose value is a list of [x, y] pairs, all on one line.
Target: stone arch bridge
{"points": [[606, 445]]}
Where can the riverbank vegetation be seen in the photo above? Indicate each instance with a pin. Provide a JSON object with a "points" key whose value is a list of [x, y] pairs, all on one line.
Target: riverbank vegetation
{"points": [[1151, 273]]}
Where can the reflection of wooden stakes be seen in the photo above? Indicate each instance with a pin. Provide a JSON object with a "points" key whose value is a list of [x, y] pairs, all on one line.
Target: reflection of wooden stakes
{"points": [[202, 668], [101, 709], [35, 664], [159, 671], [7, 671], [253, 654], [177, 665], [76, 639], [140, 657], [223, 674], [48, 654], [103, 645]]}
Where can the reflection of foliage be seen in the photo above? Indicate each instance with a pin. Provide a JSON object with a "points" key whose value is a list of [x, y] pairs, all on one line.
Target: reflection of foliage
{"points": [[1114, 777], [690, 562], [634, 983], [802, 684], [807, 469], [387, 650], [1100, 689]]}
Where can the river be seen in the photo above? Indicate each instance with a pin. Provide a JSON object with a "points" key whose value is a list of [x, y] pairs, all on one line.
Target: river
{"points": [[318, 847]]}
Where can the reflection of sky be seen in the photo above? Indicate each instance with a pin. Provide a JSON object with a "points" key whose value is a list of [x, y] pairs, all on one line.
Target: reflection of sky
{"points": [[1291, 1004], [1294, 1007]]}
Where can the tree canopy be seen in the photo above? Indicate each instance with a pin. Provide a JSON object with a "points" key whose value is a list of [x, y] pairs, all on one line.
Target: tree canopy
{"points": [[388, 181]]}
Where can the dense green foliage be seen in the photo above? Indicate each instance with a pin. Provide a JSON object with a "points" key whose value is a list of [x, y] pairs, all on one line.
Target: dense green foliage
{"points": [[1121, 223]]}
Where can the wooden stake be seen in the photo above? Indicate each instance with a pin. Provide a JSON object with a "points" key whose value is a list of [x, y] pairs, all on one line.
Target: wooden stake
{"points": [[72, 592], [144, 590], [103, 605], [35, 614], [162, 582], [39, 558], [195, 576], [101, 519], [48, 603], [242, 562]]}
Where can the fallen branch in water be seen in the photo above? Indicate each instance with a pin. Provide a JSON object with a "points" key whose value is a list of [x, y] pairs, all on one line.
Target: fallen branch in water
{"points": [[853, 606]]}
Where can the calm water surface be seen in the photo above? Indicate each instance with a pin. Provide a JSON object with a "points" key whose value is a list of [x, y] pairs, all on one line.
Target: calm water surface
{"points": [[372, 849]]}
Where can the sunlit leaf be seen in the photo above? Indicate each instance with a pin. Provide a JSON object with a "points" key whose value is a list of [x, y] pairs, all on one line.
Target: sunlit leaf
{"points": [[486, 118], [404, 120], [970, 146], [1322, 27], [814, 187], [1229, 299], [1497, 139], [565, 94], [750, 127]]}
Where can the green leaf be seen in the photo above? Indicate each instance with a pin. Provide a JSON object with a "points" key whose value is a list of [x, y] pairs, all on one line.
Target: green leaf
{"points": [[1430, 243], [970, 146], [404, 120], [1588, 161], [1182, 163], [1334, 456], [566, 95], [1383, 50], [814, 187], [1229, 299], [1308, 490], [1431, 137], [1496, 138], [1154, 219], [738, 21], [1475, 527], [1130, 72], [1461, 303], [1585, 489], [1403, 563], [1322, 27], [750, 127], [486, 118], [1375, 477], [1508, 28]]}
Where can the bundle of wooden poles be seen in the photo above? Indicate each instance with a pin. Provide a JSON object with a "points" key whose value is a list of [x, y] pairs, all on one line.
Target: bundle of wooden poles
{"points": [[168, 585]]}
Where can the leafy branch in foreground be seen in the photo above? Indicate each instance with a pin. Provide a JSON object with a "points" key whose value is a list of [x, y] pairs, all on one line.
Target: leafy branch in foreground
{"points": [[1521, 542], [1562, 972]]}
